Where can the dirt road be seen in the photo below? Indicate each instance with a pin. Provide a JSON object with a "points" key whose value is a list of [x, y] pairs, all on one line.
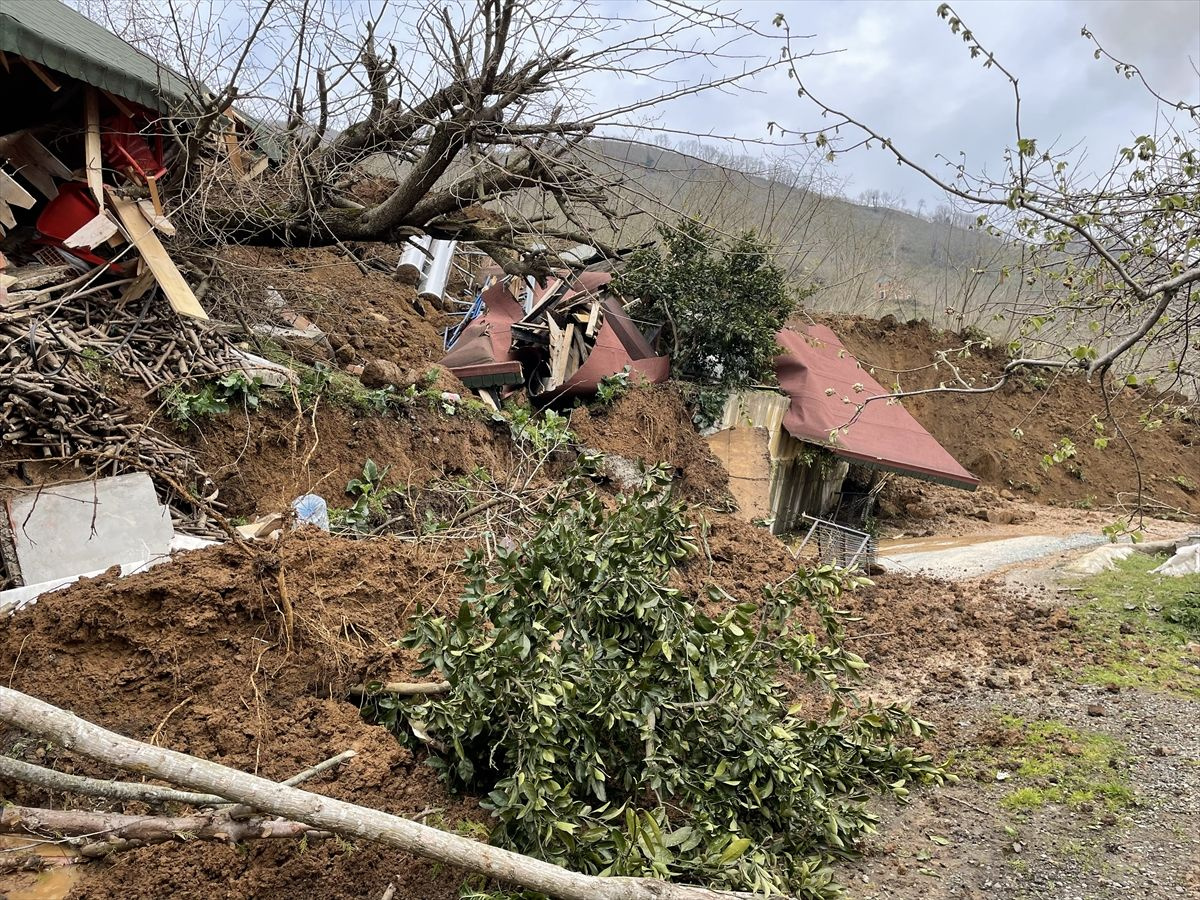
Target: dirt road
{"points": [[970, 556], [1079, 761]]}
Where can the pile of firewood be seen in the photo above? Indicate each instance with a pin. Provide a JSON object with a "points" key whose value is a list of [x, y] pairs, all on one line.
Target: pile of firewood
{"points": [[60, 331]]}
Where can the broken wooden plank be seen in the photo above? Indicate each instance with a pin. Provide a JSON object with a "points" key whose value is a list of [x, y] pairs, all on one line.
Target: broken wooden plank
{"points": [[13, 194], [593, 318], [141, 233], [234, 151], [260, 166], [152, 184], [159, 221], [7, 219], [91, 148], [33, 161], [93, 232], [489, 401], [135, 291], [560, 353]]}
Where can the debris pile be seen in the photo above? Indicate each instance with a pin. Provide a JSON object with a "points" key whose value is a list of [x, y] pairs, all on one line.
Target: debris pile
{"points": [[559, 340], [90, 299]]}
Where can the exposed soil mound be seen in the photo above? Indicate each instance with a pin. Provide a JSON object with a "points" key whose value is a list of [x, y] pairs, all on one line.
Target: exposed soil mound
{"points": [[198, 656], [1046, 407], [374, 315], [261, 461], [651, 424]]}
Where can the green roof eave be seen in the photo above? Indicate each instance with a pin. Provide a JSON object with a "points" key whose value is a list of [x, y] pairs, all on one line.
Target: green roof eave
{"points": [[54, 35]]}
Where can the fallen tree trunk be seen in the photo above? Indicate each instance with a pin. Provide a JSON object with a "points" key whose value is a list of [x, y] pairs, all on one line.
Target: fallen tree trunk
{"points": [[19, 770], [325, 813], [100, 833]]}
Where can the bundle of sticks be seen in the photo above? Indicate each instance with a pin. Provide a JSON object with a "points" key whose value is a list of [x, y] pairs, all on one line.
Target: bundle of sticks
{"points": [[59, 331]]}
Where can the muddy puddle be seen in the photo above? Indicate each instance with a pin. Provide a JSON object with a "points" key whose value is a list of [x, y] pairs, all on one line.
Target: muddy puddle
{"points": [[51, 883]]}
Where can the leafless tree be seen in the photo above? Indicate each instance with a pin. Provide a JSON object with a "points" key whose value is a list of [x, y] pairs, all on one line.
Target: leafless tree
{"points": [[1108, 260], [409, 121]]}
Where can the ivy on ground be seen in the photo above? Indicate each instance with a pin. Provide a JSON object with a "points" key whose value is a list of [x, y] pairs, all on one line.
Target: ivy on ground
{"points": [[617, 729]]}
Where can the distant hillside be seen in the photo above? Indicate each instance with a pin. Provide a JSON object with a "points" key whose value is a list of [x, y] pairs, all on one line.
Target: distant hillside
{"points": [[868, 260]]}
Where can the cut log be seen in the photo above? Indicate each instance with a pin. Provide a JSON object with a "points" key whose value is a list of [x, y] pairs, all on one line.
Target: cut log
{"points": [[142, 235], [327, 814]]}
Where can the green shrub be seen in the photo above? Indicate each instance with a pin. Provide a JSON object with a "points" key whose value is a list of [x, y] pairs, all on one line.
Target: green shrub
{"points": [[720, 303], [617, 729], [234, 390]]}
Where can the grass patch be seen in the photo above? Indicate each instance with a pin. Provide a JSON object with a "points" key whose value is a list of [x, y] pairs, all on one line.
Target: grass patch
{"points": [[1160, 616], [1050, 762]]}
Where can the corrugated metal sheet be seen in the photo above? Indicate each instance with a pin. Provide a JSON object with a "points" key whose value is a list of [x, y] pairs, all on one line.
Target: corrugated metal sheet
{"points": [[825, 385]]}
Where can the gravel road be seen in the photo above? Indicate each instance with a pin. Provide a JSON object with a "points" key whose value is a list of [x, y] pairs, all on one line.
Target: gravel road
{"points": [[960, 558]]}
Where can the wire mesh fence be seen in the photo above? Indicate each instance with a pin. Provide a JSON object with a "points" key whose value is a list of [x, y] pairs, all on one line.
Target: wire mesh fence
{"points": [[838, 545]]}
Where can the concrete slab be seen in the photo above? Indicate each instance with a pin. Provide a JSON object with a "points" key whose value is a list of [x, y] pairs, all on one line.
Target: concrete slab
{"points": [[87, 526]]}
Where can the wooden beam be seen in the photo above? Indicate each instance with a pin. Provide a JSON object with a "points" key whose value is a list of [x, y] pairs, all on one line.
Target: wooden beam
{"points": [[13, 194], [141, 233], [122, 107], [91, 146], [7, 219], [554, 344], [43, 77]]}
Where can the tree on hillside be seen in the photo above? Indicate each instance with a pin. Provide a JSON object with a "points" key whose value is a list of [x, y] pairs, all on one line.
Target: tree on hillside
{"points": [[406, 123], [1109, 258], [720, 304]]}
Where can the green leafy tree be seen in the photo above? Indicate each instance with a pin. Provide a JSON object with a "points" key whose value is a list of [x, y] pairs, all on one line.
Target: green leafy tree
{"points": [[720, 303], [618, 729]]}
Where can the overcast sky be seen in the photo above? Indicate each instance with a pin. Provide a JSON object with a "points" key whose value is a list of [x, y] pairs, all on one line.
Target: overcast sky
{"points": [[903, 72]]}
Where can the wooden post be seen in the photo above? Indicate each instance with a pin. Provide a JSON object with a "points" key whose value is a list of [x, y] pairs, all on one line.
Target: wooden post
{"points": [[91, 146]]}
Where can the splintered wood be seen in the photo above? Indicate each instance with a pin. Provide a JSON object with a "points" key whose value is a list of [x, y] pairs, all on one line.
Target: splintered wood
{"points": [[563, 323], [57, 331]]}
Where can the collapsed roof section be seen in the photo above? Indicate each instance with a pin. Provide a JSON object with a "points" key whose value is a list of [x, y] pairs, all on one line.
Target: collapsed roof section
{"points": [[575, 334], [826, 385]]}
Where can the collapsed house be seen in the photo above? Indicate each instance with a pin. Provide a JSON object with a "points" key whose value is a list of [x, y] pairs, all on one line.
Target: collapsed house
{"points": [[558, 340], [815, 448]]}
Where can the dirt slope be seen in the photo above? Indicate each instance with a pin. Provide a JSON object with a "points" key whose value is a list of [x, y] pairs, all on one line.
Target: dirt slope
{"points": [[195, 655], [978, 430]]}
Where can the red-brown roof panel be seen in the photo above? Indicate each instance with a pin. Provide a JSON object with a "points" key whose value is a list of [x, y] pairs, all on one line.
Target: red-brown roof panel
{"points": [[817, 372]]}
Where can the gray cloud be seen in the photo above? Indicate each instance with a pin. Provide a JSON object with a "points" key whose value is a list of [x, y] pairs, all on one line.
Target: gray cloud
{"points": [[903, 72]]}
